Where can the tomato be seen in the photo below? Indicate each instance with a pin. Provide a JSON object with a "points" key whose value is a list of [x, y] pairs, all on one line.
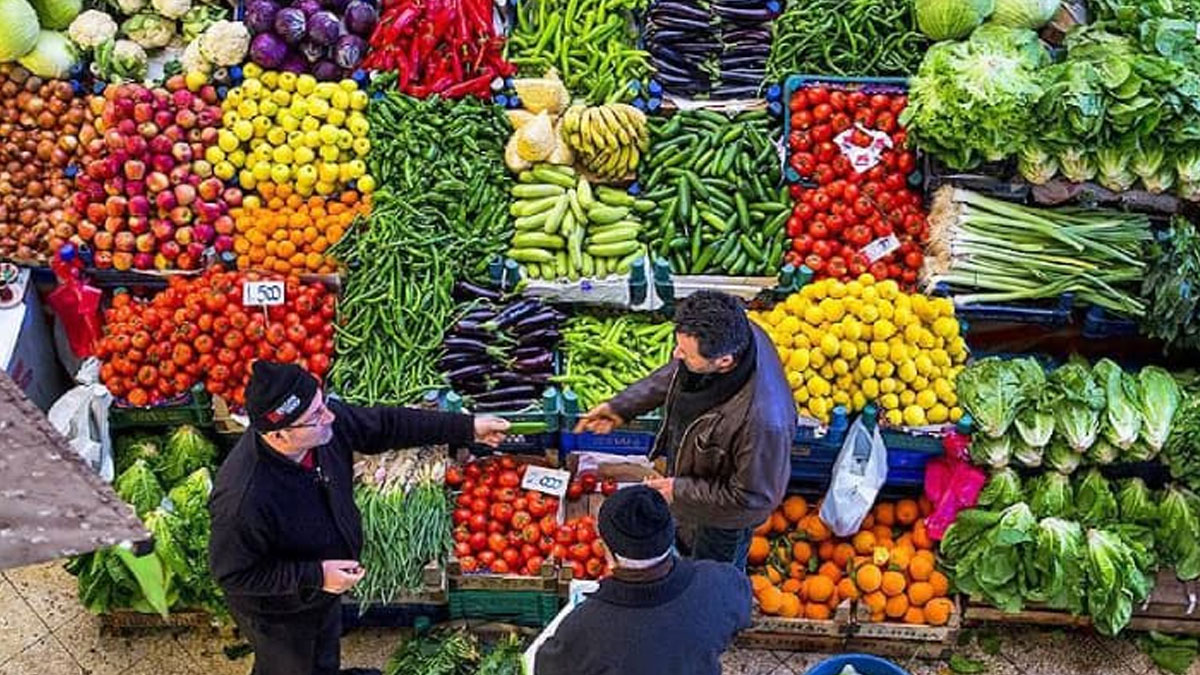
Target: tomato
{"points": [[472, 471], [510, 479], [817, 96], [512, 557], [461, 516], [913, 260], [520, 519], [823, 112], [608, 487], [802, 119], [838, 100], [857, 99], [497, 543], [594, 568], [478, 541], [501, 567], [502, 513], [885, 121], [818, 231], [528, 551], [559, 552], [864, 117], [821, 201], [287, 353], [505, 494], [468, 564], [574, 490], [804, 163], [814, 262], [880, 102], [898, 104], [909, 277], [802, 244], [581, 552], [836, 267], [879, 270], [842, 166], [578, 571], [537, 507], [823, 134], [479, 505], [533, 565], [825, 175], [907, 162], [548, 525], [598, 548], [531, 533], [799, 102], [585, 534], [826, 151], [487, 559], [462, 549]]}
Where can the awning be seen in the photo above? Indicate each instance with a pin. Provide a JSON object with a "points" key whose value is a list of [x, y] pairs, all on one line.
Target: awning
{"points": [[51, 504]]}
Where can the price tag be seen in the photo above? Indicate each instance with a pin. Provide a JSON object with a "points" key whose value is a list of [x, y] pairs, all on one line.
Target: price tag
{"points": [[262, 293], [880, 248], [863, 158], [550, 481]]}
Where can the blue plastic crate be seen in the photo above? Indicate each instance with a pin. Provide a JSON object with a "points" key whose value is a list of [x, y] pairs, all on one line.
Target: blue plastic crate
{"points": [[635, 438], [1099, 324], [1051, 313]]}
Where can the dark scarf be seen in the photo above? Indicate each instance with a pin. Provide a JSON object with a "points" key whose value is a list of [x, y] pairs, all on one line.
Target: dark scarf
{"points": [[700, 393]]}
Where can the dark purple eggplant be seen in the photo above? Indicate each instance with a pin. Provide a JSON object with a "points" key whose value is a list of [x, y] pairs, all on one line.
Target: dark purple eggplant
{"points": [[455, 360], [547, 337], [476, 371], [508, 393], [514, 312], [535, 322], [701, 25], [740, 91], [537, 364], [734, 38], [465, 290], [670, 9], [481, 315], [535, 379], [743, 63], [748, 49], [472, 387], [453, 344], [741, 76], [501, 406], [528, 352]]}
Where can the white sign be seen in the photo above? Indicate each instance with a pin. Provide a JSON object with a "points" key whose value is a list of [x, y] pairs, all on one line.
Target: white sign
{"points": [[880, 248], [262, 293], [550, 481], [863, 159]]}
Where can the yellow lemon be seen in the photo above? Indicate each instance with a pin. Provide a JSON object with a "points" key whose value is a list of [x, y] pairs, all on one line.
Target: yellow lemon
{"points": [[830, 345], [866, 366], [914, 416], [908, 397], [882, 329], [889, 401], [894, 418], [938, 414], [926, 398], [908, 371], [870, 388]]}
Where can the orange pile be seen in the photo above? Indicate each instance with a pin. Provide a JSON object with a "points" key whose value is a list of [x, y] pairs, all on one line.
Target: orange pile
{"points": [[800, 570], [289, 233]]}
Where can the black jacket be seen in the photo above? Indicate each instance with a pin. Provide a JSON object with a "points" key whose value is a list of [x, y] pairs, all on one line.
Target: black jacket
{"points": [[732, 463], [273, 521], [678, 625]]}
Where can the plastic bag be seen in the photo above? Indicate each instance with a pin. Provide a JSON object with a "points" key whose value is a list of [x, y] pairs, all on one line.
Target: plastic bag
{"points": [[951, 483], [81, 415], [859, 473]]}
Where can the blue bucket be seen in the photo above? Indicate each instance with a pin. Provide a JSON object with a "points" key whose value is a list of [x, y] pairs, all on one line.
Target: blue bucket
{"points": [[863, 663]]}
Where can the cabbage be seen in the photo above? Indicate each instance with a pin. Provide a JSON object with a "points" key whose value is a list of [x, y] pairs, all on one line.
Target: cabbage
{"points": [[1036, 165], [20, 29], [1178, 532], [1025, 454], [993, 389], [951, 19], [187, 450], [1095, 504], [1121, 421], [1115, 582], [1031, 14], [1050, 494], [1102, 452], [1159, 399], [991, 452], [1002, 490], [53, 57], [56, 14], [138, 486]]}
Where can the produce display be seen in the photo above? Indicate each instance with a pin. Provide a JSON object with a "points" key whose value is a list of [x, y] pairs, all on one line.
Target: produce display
{"points": [[501, 355], [798, 569], [1172, 310], [454, 653], [603, 355], [325, 40], [592, 43], [718, 51], [290, 130], [146, 196], [198, 331], [564, 229], [448, 48], [844, 344], [440, 216], [720, 208], [832, 37], [608, 139], [860, 213], [167, 479], [289, 234], [41, 122]]}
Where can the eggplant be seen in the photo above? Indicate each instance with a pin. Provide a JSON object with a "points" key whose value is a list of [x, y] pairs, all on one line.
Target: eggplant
{"points": [[735, 38], [701, 25], [501, 406], [472, 387], [510, 393], [529, 352], [544, 319], [678, 9], [475, 371], [465, 290], [535, 379], [743, 63], [515, 312], [455, 344], [537, 364], [455, 360], [746, 77], [739, 91], [547, 337]]}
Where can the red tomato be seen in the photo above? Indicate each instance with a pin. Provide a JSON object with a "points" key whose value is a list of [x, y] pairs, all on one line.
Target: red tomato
{"points": [[838, 100], [598, 548], [578, 571], [502, 513], [462, 550], [880, 102], [487, 559], [559, 552], [497, 543], [510, 478], [823, 112], [818, 95], [588, 481], [512, 557], [548, 525], [501, 567], [585, 534], [857, 99], [574, 490], [479, 505], [814, 262], [581, 552], [802, 119], [564, 536], [461, 516], [505, 494], [594, 568], [818, 231], [533, 565], [468, 564], [478, 541], [913, 260], [608, 487]]}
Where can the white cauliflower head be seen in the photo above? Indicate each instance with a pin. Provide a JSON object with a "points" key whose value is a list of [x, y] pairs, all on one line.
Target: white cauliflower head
{"points": [[225, 43], [92, 29], [130, 7], [172, 9], [193, 59]]}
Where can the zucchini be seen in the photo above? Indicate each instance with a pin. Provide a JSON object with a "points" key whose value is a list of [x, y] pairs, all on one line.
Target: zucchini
{"points": [[532, 208], [606, 215], [614, 197], [536, 190], [615, 250], [538, 240], [530, 255], [614, 236]]}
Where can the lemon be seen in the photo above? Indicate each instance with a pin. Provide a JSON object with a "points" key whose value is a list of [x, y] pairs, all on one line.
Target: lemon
{"points": [[898, 351], [894, 418], [889, 401], [858, 401], [269, 108], [840, 397], [306, 174], [870, 294], [324, 188], [908, 397], [329, 153], [280, 173], [926, 398], [247, 109], [242, 129], [826, 371], [829, 345], [938, 414], [870, 388], [956, 414], [832, 309], [919, 383], [886, 310], [798, 360], [214, 154], [269, 79], [914, 416], [251, 86], [305, 84], [854, 289], [819, 408], [288, 121], [800, 395], [939, 357], [336, 116], [888, 289], [852, 329], [907, 371], [358, 100], [866, 366], [817, 386], [328, 172], [945, 326], [882, 329], [887, 385], [924, 364], [262, 125], [885, 369], [841, 367], [224, 170], [795, 380], [880, 350], [869, 313], [261, 171], [912, 333], [795, 303], [849, 350], [282, 155], [836, 330]]}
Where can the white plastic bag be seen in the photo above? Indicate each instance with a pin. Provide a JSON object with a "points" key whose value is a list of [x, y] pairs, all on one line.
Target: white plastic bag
{"points": [[860, 471], [81, 415]]}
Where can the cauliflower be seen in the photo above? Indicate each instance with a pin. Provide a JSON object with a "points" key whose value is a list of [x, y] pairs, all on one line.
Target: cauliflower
{"points": [[172, 9], [225, 43], [130, 7], [193, 60], [92, 29], [149, 30]]}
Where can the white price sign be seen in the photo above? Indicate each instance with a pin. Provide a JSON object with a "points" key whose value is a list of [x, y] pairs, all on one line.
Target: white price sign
{"points": [[880, 248], [550, 481], [262, 293]]}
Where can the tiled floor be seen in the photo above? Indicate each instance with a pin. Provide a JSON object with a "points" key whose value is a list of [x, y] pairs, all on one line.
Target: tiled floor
{"points": [[44, 631]]}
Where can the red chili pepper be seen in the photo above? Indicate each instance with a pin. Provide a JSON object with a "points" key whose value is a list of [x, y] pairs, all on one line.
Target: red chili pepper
{"points": [[479, 86]]}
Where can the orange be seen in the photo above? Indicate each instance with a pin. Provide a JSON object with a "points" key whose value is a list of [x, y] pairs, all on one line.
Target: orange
{"points": [[818, 588], [920, 569], [815, 528], [900, 558], [896, 607], [791, 585], [907, 512], [885, 514], [779, 524], [876, 602], [941, 585], [795, 570], [802, 552], [867, 522], [868, 578], [816, 612], [914, 615], [842, 555], [758, 582], [764, 529], [795, 508], [893, 584], [864, 543], [878, 617], [831, 571], [825, 550], [920, 593], [771, 600], [882, 533], [790, 606], [774, 575], [920, 536], [847, 589], [937, 612], [760, 548]]}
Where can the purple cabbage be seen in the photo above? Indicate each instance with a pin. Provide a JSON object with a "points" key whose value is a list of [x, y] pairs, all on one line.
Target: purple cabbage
{"points": [[337, 6], [324, 27], [326, 71], [349, 51], [267, 50], [260, 16], [294, 63], [313, 51], [361, 18], [290, 25], [309, 7]]}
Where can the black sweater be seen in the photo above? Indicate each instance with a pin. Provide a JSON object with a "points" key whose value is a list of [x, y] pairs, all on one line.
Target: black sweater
{"points": [[273, 521], [680, 624]]}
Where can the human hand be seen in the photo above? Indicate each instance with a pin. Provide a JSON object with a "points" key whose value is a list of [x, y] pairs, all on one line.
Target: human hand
{"points": [[491, 430], [599, 420], [341, 575], [665, 487]]}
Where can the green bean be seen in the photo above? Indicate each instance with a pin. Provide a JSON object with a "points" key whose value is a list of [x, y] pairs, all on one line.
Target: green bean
{"points": [[844, 38]]}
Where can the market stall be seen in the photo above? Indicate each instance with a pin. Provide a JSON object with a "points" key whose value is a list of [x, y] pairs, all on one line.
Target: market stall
{"points": [[969, 226]]}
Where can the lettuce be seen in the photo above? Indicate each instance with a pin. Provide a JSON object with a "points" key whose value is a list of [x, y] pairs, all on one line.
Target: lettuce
{"points": [[1036, 164], [1160, 397], [187, 449], [138, 486], [994, 389], [1095, 505], [1002, 489], [1121, 419], [1102, 452], [1024, 454], [1080, 402], [1115, 583], [1050, 494], [992, 568], [1055, 572], [1061, 458], [991, 452], [1178, 532], [1136, 504]]}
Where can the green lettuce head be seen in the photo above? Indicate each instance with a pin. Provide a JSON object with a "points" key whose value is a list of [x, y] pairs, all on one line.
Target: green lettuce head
{"points": [[1081, 401], [1050, 494], [1159, 400], [1002, 489]]}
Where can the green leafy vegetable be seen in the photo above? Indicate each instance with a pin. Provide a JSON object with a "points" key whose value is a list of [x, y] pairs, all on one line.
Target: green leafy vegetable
{"points": [[1170, 286], [1095, 505], [1115, 583], [1178, 532], [1159, 400], [951, 19], [1030, 14], [1055, 572], [1136, 504], [1051, 494], [1002, 489], [1173, 654], [1061, 458], [992, 390], [1080, 401], [130, 448], [992, 569], [187, 449], [1102, 452], [138, 486], [1122, 421], [991, 452], [1182, 451], [19, 32]]}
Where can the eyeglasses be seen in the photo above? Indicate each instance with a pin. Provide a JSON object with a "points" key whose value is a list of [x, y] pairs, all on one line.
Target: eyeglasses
{"points": [[322, 414]]}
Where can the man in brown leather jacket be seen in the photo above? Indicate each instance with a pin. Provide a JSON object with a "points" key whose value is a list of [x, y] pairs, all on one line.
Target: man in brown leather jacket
{"points": [[728, 423]]}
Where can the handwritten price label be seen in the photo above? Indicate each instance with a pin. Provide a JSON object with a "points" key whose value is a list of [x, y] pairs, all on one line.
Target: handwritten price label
{"points": [[863, 158], [880, 248], [550, 481], [262, 293]]}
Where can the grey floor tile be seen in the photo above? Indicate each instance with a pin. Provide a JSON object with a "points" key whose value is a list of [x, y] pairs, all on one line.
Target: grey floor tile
{"points": [[1125, 651], [20, 626], [749, 662], [165, 658], [105, 655], [47, 656], [208, 652], [1058, 652], [49, 590]]}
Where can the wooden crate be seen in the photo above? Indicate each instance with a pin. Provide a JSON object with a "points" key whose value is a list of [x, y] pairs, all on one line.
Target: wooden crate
{"points": [[776, 632], [434, 587], [547, 581], [126, 622], [903, 640]]}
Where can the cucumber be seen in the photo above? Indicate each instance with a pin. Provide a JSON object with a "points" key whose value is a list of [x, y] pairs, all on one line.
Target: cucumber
{"points": [[614, 250], [536, 190], [606, 215], [554, 177], [584, 192], [626, 263], [613, 236], [644, 205], [535, 222], [576, 207], [556, 215], [561, 268], [614, 197], [532, 208], [587, 265], [538, 240], [530, 255]]}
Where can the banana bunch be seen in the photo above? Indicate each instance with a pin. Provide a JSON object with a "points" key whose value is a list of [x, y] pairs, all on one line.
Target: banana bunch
{"points": [[608, 139], [567, 230]]}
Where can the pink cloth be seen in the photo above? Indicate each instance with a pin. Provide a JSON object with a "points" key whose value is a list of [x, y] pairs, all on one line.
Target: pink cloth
{"points": [[951, 483]]}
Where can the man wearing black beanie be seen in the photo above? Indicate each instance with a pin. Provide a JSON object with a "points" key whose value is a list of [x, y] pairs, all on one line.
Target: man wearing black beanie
{"points": [[286, 534], [657, 614], [728, 423]]}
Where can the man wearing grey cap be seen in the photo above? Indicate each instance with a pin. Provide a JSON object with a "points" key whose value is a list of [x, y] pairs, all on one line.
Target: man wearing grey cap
{"points": [[286, 534], [658, 614]]}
